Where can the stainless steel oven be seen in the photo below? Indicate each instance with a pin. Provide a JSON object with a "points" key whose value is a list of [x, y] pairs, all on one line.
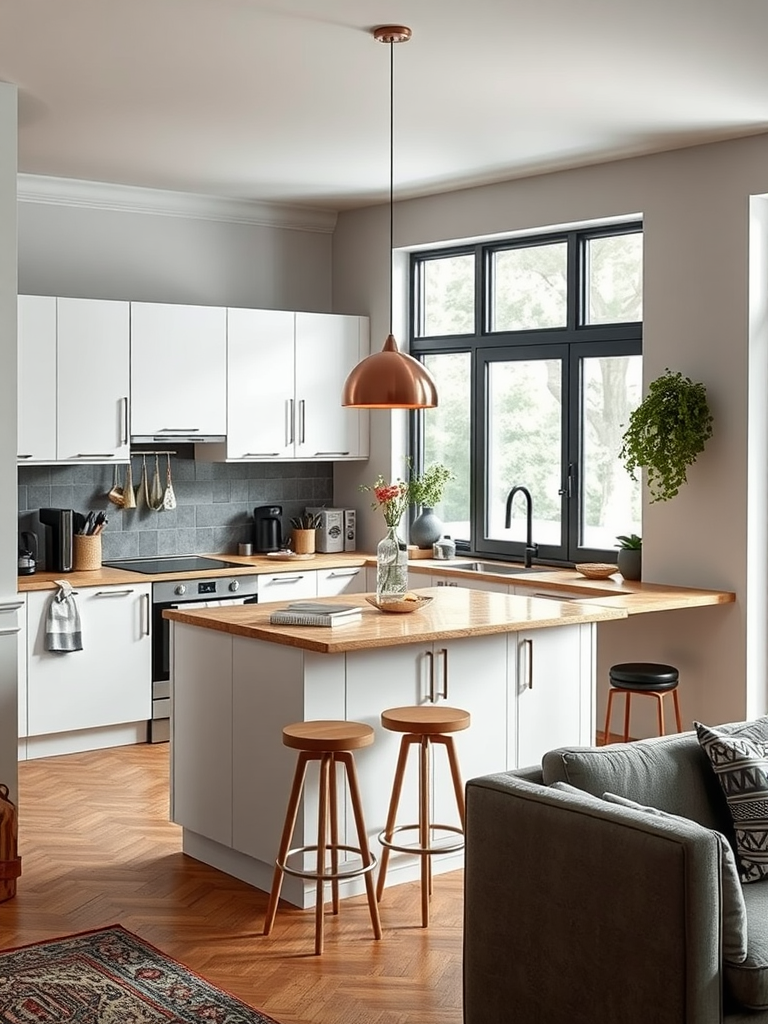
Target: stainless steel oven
{"points": [[198, 592]]}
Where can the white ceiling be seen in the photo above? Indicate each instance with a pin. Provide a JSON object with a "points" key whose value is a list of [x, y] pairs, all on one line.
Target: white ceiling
{"points": [[288, 100]]}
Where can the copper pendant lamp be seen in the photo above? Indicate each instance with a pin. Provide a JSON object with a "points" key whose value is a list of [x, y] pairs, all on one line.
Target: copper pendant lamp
{"points": [[390, 379]]}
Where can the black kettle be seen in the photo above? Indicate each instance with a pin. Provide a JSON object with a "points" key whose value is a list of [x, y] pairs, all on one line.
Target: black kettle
{"points": [[27, 553]]}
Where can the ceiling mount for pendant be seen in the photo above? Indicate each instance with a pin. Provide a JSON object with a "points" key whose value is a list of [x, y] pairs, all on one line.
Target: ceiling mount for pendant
{"points": [[390, 379], [392, 33]]}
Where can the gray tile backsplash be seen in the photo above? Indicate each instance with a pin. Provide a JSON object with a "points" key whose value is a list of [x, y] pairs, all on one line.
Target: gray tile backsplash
{"points": [[214, 510]]}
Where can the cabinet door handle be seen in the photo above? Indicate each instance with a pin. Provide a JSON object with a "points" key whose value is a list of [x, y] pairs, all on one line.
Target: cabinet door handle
{"points": [[23, 456], [9, 630], [95, 455], [330, 453], [349, 572], [289, 431], [302, 421], [431, 660], [147, 617], [259, 455], [528, 645], [10, 606], [124, 438], [286, 579], [113, 593], [179, 430], [444, 652]]}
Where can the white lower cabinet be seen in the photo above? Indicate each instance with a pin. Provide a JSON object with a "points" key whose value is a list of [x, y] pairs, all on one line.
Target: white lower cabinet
{"points": [[351, 580], [109, 681], [554, 701], [287, 586]]}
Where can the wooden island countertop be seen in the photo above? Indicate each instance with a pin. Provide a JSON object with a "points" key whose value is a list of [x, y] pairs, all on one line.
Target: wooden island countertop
{"points": [[455, 612]]}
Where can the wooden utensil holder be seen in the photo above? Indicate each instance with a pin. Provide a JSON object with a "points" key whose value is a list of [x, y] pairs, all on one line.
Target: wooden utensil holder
{"points": [[86, 552], [303, 541]]}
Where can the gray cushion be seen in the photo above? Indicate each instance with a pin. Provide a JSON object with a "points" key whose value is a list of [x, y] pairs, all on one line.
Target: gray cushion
{"points": [[747, 982], [668, 772], [740, 762], [734, 908]]}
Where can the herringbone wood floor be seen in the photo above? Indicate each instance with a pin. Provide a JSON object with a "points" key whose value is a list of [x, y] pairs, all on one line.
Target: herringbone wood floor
{"points": [[98, 849]]}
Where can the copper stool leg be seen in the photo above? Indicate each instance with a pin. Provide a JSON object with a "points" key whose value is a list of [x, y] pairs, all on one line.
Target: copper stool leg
{"points": [[627, 701], [677, 711]]}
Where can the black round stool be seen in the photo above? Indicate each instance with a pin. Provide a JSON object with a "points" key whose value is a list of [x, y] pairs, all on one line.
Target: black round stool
{"points": [[646, 678]]}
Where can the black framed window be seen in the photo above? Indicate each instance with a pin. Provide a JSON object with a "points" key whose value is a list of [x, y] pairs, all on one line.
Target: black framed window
{"points": [[536, 347]]}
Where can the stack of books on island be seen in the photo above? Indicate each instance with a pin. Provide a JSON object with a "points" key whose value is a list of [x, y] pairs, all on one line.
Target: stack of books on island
{"points": [[316, 613]]}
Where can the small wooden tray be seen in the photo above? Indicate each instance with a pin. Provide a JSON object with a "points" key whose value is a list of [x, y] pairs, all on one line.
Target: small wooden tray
{"points": [[288, 556]]}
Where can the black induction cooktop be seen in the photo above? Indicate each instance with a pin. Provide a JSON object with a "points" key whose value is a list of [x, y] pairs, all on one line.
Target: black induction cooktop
{"points": [[173, 563]]}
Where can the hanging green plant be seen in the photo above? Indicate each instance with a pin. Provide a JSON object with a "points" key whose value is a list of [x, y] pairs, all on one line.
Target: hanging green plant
{"points": [[666, 433]]}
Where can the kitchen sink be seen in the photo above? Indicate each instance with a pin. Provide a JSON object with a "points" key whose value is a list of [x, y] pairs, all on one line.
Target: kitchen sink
{"points": [[500, 568]]}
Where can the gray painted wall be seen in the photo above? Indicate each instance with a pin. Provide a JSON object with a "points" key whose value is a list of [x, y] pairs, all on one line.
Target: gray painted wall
{"points": [[116, 254]]}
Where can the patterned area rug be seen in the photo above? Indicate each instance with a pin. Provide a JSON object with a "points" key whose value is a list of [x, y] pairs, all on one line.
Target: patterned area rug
{"points": [[109, 976]]}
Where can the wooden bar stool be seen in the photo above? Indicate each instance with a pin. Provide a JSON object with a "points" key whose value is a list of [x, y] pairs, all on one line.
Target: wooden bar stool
{"points": [[648, 679], [422, 725], [330, 743]]}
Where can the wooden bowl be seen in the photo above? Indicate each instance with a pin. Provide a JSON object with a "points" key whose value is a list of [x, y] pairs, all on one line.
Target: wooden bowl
{"points": [[401, 607], [596, 570]]}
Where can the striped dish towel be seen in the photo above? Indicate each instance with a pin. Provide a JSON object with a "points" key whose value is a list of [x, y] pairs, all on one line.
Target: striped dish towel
{"points": [[62, 624]]}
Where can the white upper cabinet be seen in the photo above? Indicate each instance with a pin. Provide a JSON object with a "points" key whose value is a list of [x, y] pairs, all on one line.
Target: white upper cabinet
{"points": [[260, 384], [327, 348], [92, 374], [178, 371], [285, 373], [37, 378], [73, 379]]}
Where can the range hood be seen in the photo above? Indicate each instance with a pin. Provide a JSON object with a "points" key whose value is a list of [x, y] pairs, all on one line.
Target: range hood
{"points": [[177, 438]]}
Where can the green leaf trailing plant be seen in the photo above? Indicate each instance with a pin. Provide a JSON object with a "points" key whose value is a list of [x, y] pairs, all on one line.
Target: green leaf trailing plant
{"points": [[630, 543], [427, 489], [666, 433]]}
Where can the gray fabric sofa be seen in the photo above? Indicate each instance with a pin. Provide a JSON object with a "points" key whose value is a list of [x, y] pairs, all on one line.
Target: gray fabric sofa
{"points": [[579, 911]]}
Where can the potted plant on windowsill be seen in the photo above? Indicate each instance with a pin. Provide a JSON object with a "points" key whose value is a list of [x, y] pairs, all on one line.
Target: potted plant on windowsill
{"points": [[426, 491], [630, 556]]}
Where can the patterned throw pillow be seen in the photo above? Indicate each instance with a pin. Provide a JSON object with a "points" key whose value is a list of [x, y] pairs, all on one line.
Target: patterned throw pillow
{"points": [[739, 757]]}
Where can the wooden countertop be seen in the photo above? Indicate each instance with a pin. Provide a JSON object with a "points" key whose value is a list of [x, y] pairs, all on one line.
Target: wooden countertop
{"points": [[455, 612], [633, 598], [257, 564]]}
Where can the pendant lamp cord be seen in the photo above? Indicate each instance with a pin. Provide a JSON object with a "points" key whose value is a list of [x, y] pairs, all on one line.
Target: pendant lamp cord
{"points": [[391, 172]]}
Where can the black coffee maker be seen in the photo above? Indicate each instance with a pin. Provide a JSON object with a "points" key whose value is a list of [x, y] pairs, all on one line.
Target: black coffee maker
{"points": [[58, 524], [267, 531]]}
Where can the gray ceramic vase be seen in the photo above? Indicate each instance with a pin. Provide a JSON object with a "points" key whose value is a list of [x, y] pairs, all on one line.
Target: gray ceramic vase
{"points": [[426, 528]]}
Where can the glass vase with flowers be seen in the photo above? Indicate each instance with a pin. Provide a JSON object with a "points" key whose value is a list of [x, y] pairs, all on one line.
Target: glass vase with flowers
{"points": [[391, 552]]}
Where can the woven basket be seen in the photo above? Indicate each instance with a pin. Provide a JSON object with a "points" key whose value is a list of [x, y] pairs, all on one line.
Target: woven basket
{"points": [[86, 552]]}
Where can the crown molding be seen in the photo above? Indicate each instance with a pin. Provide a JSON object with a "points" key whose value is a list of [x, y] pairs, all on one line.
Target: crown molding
{"points": [[100, 195]]}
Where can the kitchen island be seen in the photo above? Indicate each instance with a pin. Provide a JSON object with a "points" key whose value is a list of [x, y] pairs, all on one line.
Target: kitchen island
{"points": [[522, 666]]}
